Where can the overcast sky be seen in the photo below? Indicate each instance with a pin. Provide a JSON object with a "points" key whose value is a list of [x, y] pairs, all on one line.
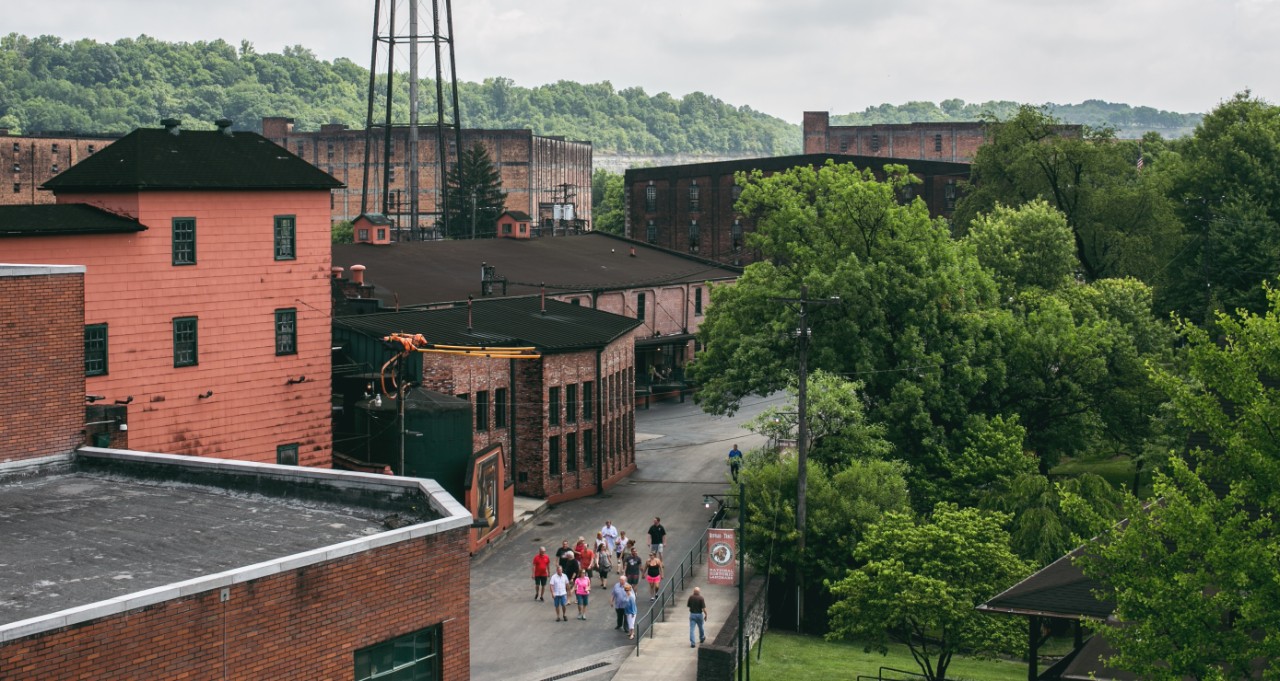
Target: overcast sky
{"points": [[782, 57]]}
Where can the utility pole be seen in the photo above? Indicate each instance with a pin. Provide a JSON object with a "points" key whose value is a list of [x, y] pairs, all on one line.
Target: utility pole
{"points": [[802, 435], [473, 213]]}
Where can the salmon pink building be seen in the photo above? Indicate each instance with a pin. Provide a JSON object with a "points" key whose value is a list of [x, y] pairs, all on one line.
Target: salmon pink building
{"points": [[206, 292]]}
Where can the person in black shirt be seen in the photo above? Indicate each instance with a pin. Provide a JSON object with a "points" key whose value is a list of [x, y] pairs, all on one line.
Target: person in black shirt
{"points": [[697, 616], [570, 565], [631, 567], [657, 536]]}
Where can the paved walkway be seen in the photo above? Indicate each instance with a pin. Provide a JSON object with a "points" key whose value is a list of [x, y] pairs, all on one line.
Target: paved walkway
{"points": [[680, 456]]}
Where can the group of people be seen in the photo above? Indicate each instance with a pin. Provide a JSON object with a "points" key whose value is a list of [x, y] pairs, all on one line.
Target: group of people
{"points": [[611, 551]]}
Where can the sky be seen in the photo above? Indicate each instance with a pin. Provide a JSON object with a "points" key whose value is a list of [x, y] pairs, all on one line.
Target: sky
{"points": [[782, 57]]}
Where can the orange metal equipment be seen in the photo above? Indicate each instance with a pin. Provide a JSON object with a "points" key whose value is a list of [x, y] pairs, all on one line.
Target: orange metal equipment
{"points": [[405, 343]]}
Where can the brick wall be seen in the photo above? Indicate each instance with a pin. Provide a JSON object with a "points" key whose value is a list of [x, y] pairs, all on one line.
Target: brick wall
{"points": [[42, 367], [301, 624], [27, 162]]}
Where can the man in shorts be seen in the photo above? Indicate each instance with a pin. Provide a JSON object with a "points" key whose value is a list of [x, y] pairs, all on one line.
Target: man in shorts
{"points": [[541, 571], [657, 536], [632, 564], [560, 594]]}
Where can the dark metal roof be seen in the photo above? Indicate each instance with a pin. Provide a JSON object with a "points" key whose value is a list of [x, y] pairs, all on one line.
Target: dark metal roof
{"points": [[518, 215], [779, 163], [423, 272], [1059, 589], [502, 322], [62, 219], [150, 158]]}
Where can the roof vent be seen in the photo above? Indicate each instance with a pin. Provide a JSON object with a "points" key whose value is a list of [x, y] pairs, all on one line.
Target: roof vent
{"points": [[171, 125], [224, 126]]}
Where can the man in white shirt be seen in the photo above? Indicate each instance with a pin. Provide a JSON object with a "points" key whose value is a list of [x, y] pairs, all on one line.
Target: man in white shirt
{"points": [[610, 535], [560, 594]]}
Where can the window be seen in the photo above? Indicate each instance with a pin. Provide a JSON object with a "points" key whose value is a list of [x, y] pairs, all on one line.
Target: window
{"points": [[91, 150], [482, 411], [697, 301], [55, 168], [300, 152], [553, 448], [908, 193], [287, 331], [184, 241], [694, 203], [693, 236], [95, 350], [586, 400], [17, 187], [576, 301], [16, 148], [362, 234], [410, 657], [330, 150], [185, 342], [571, 403], [285, 231], [651, 199], [587, 459], [651, 233], [553, 406], [735, 193], [391, 174], [571, 452], [55, 147], [500, 408], [844, 144], [640, 306], [382, 233], [875, 142], [949, 193], [17, 167], [735, 235], [287, 455], [937, 142]]}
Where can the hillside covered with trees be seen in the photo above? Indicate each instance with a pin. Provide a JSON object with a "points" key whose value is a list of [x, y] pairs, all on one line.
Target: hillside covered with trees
{"points": [[48, 84]]}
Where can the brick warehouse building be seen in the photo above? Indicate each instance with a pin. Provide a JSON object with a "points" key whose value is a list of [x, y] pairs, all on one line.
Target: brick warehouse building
{"points": [[207, 303], [124, 564], [668, 292], [31, 160], [956, 142], [690, 208], [537, 171], [566, 420]]}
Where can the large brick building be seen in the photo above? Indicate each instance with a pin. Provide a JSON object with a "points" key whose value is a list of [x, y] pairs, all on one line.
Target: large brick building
{"points": [[566, 419], [691, 208], [538, 172], [206, 312], [956, 142], [31, 160]]}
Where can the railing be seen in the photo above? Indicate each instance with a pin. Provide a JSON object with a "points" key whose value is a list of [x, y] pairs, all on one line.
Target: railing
{"points": [[671, 585], [880, 676]]}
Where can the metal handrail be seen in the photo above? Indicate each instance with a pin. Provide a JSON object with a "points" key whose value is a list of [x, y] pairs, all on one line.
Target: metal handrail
{"points": [[668, 590]]}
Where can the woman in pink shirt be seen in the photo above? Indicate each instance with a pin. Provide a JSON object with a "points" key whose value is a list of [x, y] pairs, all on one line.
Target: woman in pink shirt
{"points": [[582, 587]]}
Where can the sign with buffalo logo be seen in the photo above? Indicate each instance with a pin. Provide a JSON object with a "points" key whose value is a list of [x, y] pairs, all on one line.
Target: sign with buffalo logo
{"points": [[722, 557]]}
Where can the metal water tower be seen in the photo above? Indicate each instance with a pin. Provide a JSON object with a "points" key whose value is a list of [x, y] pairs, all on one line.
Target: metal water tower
{"points": [[400, 29]]}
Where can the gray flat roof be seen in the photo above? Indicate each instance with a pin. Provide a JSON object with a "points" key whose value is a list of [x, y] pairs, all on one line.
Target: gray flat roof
{"points": [[106, 531]]}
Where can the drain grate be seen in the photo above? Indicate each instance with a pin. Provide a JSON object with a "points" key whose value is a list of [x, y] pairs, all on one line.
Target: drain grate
{"points": [[546, 523], [576, 671]]}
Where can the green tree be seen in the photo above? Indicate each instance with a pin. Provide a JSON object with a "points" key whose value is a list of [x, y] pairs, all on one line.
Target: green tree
{"points": [[1123, 222], [343, 232], [920, 583], [838, 428], [1194, 575], [842, 500], [607, 208], [476, 199], [1229, 191], [1025, 246]]}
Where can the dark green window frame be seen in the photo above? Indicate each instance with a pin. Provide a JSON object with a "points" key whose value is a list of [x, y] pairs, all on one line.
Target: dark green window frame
{"points": [[587, 389], [184, 241], [286, 231], [287, 331], [95, 350], [697, 302], [186, 341], [500, 408], [571, 452], [412, 656], [482, 410], [571, 403], [640, 306], [553, 406], [553, 448], [287, 455], [587, 459]]}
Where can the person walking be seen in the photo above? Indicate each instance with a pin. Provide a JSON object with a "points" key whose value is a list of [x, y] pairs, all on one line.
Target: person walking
{"points": [[622, 545], [618, 599], [657, 536], [697, 616], [560, 594], [631, 612], [631, 567], [610, 535], [653, 575], [735, 461], [604, 564], [541, 571], [570, 566], [587, 560], [564, 548], [582, 589]]}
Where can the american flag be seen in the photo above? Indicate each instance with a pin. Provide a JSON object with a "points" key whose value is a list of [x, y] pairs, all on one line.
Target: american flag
{"points": [[1139, 161]]}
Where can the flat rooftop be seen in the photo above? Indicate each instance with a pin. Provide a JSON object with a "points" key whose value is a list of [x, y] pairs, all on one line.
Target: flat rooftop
{"points": [[104, 526]]}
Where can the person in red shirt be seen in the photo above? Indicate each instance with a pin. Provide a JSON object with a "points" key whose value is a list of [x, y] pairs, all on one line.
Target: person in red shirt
{"points": [[541, 571], [587, 559]]}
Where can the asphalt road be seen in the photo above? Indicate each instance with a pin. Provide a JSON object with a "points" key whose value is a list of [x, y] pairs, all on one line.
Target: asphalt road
{"points": [[680, 455]]}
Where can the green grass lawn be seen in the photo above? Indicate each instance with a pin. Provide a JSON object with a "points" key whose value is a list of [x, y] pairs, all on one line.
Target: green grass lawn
{"points": [[793, 657]]}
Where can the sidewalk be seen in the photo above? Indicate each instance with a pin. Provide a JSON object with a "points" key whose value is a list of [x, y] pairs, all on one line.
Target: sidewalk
{"points": [[667, 654]]}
